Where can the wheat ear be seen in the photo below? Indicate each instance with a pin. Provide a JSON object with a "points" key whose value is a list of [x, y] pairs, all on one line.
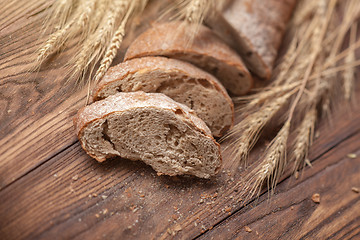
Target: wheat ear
{"points": [[84, 19], [55, 41], [111, 51], [115, 42], [271, 167], [79, 22], [94, 46]]}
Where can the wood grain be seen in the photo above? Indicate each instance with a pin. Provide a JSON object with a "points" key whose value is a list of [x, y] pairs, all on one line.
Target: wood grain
{"points": [[49, 187]]}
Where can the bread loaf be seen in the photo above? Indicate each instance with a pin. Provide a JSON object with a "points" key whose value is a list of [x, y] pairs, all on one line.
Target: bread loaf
{"points": [[206, 51], [150, 127], [179, 80], [255, 29]]}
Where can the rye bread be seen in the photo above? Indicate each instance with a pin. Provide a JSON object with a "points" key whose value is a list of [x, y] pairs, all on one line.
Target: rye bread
{"points": [[206, 51], [150, 127], [254, 28], [179, 80]]}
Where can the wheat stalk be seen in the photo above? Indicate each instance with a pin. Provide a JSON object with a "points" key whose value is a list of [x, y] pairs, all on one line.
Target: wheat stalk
{"points": [[255, 100], [305, 135], [349, 74]]}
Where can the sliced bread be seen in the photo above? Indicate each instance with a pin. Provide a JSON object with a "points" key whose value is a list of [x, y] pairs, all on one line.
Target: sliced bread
{"points": [[255, 29], [206, 51], [179, 80], [150, 127]]}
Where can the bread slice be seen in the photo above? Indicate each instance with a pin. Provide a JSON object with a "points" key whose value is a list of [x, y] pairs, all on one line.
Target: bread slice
{"points": [[255, 29], [206, 51], [150, 127], [179, 80]]}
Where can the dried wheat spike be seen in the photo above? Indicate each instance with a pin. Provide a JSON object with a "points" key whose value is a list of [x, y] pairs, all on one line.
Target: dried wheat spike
{"points": [[111, 52], [272, 165], [303, 140], [84, 20], [118, 37], [94, 46], [194, 11], [54, 43]]}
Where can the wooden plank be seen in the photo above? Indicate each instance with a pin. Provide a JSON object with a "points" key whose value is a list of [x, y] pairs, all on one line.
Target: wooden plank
{"points": [[291, 214], [69, 194]]}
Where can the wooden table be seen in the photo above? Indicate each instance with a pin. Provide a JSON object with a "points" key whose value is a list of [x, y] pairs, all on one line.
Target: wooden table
{"points": [[50, 189]]}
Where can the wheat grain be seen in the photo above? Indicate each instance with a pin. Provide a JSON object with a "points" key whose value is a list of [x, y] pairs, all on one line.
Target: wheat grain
{"points": [[99, 15], [195, 12], [111, 52], [292, 67], [317, 38], [309, 68]]}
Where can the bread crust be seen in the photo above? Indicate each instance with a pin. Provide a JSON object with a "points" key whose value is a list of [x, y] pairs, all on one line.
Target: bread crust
{"points": [[132, 100], [254, 28], [123, 69], [171, 40], [166, 65]]}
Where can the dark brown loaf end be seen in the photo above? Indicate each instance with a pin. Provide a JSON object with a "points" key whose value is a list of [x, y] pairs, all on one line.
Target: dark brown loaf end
{"points": [[254, 28], [179, 80], [206, 51], [150, 127]]}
